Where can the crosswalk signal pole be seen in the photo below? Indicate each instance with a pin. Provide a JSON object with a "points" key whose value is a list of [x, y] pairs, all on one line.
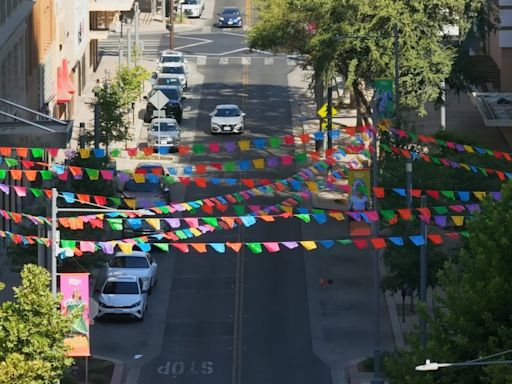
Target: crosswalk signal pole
{"points": [[171, 24]]}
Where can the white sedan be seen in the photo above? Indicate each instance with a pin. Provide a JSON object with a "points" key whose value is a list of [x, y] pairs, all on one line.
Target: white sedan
{"points": [[227, 118]]}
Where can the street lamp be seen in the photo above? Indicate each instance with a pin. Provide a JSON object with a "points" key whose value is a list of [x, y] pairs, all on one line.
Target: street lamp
{"points": [[433, 366]]}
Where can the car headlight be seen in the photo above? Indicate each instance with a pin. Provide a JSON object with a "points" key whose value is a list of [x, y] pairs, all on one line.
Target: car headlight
{"points": [[221, 19], [134, 304], [238, 18], [102, 303]]}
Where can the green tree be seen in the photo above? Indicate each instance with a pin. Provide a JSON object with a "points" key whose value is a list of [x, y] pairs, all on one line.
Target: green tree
{"points": [[130, 81], [114, 124], [32, 332], [354, 38], [472, 317]]}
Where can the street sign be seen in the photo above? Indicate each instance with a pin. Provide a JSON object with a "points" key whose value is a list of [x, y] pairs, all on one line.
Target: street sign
{"points": [[322, 111], [159, 100]]}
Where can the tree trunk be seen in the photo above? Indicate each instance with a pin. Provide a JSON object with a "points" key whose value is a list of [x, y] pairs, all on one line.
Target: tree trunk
{"points": [[362, 105]]}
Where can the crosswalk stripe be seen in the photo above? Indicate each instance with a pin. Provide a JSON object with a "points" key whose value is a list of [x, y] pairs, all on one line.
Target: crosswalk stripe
{"points": [[224, 61], [268, 61], [246, 61]]}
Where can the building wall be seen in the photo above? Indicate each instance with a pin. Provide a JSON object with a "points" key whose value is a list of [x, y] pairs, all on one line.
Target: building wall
{"points": [[500, 44], [14, 16], [41, 74], [72, 45]]}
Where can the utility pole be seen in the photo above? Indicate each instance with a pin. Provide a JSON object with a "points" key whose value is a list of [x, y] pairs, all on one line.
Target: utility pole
{"points": [[171, 24], [164, 19], [136, 24], [377, 379], [423, 274], [97, 113], [329, 117], [408, 181], [129, 49], [443, 105], [397, 75]]}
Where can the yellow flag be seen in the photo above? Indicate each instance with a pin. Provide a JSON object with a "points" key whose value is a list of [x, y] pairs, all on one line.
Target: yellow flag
{"points": [[196, 232], [155, 223], [480, 195], [313, 187], [125, 247], [309, 245], [130, 203], [337, 215], [244, 145], [138, 178], [186, 206], [84, 153], [469, 148], [259, 163], [458, 220]]}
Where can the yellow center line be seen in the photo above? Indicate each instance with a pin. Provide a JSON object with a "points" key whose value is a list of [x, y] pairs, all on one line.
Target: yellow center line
{"points": [[248, 12]]}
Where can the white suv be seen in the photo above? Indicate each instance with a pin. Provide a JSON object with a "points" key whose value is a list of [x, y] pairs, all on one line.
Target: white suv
{"points": [[138, 263], [122, 295], [170, 56]]}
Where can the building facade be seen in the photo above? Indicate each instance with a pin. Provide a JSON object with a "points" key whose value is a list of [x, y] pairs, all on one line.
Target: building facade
{"points": [[14, 27], [500, 45]]}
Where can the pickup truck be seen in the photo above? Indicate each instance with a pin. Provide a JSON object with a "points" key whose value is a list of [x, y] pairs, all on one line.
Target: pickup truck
{"points": [[192, 8]]}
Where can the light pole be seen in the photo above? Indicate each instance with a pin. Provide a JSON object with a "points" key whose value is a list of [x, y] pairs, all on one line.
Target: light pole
{"points": [[434, 366]]}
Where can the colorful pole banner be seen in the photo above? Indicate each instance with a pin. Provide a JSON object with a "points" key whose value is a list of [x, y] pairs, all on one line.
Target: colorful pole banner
{"points": [[75, 291], [384, 104], [359, 180]]}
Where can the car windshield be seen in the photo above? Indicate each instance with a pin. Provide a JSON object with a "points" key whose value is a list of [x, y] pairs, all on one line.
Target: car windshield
{"points": [[172, 69], [231, 12], [132, 186], [121, 287], [164, 127], [171, 93], [129, 262], [227, 112], [167, 81], [170, 59], [191, 2]]}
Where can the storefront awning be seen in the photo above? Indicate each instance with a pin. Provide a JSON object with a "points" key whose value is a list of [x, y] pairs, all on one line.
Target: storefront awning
{"points": [[19, 134], [63, 96], [65, 87], [110, 5]]}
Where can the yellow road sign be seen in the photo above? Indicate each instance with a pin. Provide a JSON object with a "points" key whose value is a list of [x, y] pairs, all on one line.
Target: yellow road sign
{"points": [[322, 111]]}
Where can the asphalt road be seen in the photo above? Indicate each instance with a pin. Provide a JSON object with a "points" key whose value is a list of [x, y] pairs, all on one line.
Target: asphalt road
{"points": [[242, 317]]}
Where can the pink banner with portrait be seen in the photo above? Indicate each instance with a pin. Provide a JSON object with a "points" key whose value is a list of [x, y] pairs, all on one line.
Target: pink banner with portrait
{"points": [[75, 291]]}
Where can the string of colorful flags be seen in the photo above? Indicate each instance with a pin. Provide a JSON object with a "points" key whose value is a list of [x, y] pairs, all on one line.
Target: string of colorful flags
{"points": [[109, 247], [197, 148], [459, 147], [502, 175]]}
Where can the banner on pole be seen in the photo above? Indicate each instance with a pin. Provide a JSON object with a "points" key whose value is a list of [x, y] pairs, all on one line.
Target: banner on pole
{"points": [[359, 180], [75, 291], [384, 101]]}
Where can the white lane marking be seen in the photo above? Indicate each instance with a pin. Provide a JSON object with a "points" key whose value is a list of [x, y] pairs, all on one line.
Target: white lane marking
{"points": [[269, 61], [223, 61], [201, 42]]}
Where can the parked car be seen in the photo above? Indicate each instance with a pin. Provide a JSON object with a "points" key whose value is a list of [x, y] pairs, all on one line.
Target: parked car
{"points": [[192, 8], [227, 118], [122, 295], [173, 108], [165, 79], [153, 192], [170, 56], [138, 263], [178, 69], [230, 17], [164, 132]]}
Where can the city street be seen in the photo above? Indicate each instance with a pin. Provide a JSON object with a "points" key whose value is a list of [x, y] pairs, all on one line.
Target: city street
{"points": [[244, 317]]}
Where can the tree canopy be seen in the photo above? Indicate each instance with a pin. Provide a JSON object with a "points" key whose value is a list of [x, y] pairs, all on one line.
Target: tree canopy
{"points": [[32, 332], [472, 317], [354, 38]]}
